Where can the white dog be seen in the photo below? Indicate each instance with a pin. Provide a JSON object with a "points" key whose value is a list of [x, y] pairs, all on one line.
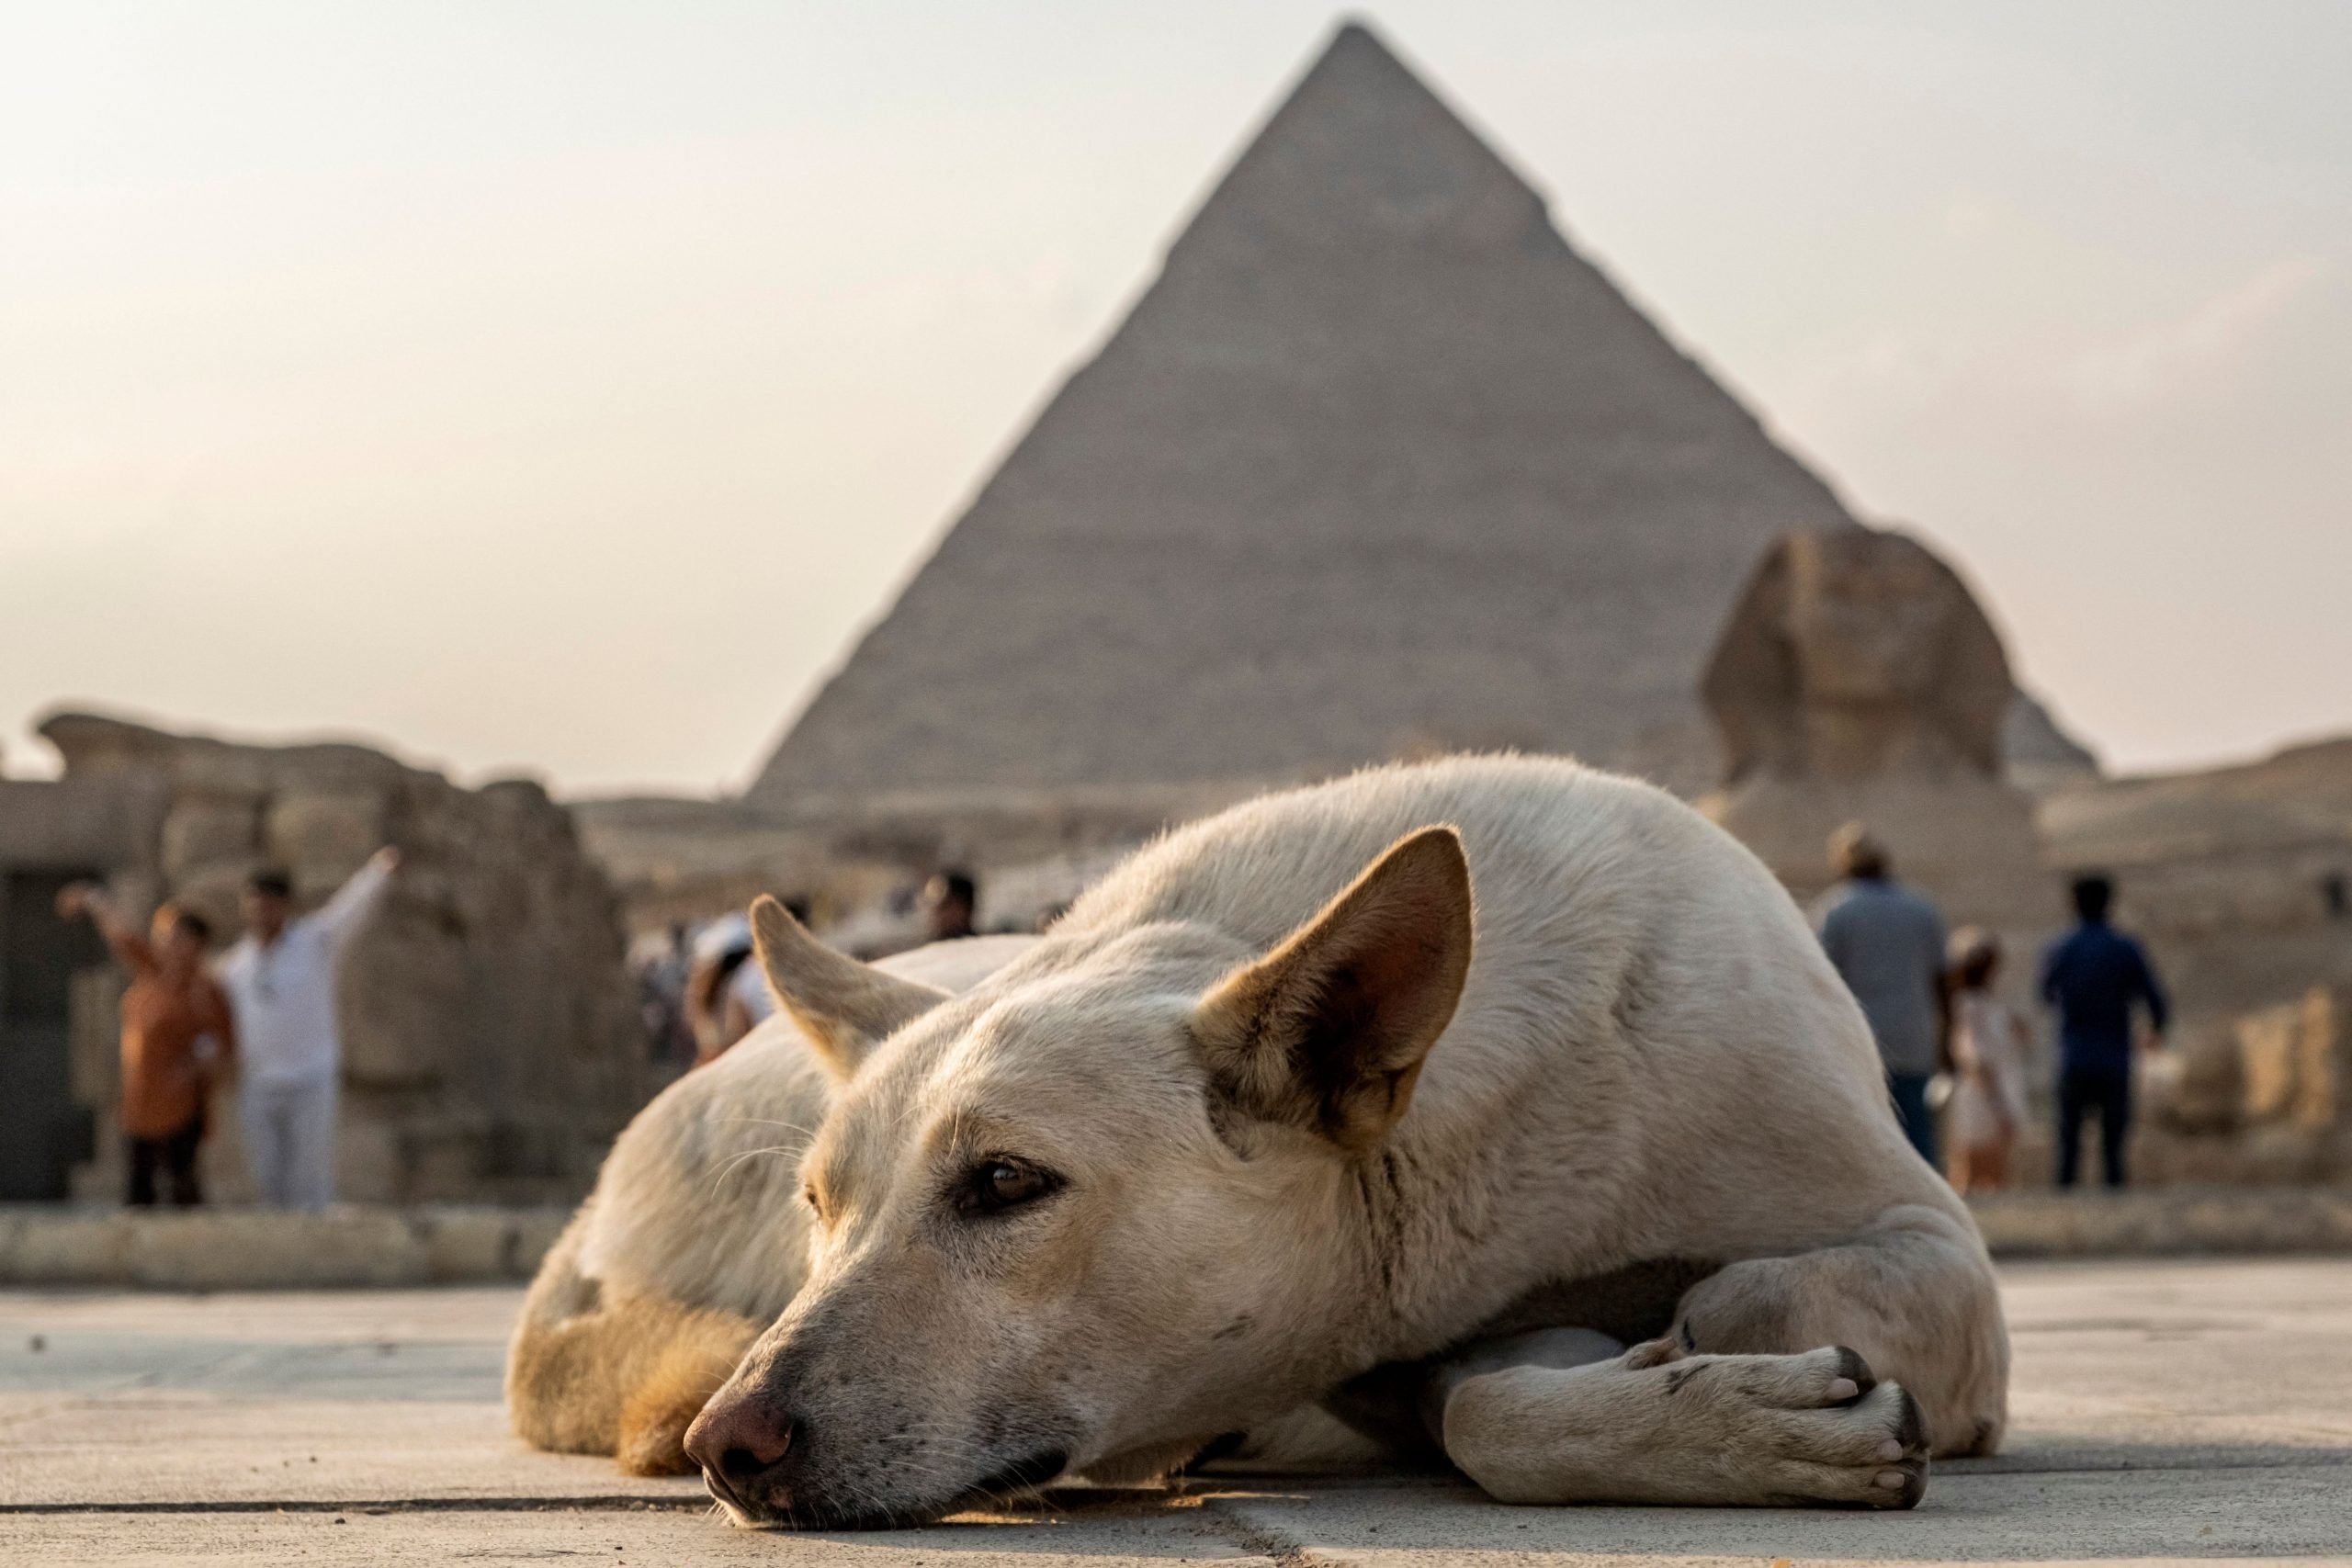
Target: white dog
{"points": [[1274, 1117]]}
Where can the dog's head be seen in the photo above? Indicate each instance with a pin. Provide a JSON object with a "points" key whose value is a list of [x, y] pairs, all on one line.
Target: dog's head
{"points": [[1091, 1216]]}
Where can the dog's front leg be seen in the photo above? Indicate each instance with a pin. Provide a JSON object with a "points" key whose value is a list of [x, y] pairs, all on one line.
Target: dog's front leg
{"points": [[1656, 1424]]}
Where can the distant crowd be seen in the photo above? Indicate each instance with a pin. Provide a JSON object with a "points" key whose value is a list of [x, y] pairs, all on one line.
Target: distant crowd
{"points": [[262, 1016], [1944, 1035]]}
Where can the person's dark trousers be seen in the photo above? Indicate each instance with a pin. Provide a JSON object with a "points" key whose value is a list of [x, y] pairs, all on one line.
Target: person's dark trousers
{"points": [[174, 1156], [2103, 1092], [1911, 1110]]}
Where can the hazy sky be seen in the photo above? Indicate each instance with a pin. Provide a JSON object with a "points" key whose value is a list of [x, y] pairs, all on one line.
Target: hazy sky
{"points": [[559, 387]]}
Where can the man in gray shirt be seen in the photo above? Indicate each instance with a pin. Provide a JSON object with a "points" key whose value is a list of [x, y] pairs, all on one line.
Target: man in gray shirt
{"points": [[1887, 942]]}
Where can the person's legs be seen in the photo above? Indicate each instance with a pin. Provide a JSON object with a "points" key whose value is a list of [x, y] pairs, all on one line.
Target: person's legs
{"points": [[1910, 1091], [140, 1192], [1980, 1167], [2114, 1122], [2072, 1103], [179, 1164], [1992, 1173], [310, 1158], [262, 1108]]}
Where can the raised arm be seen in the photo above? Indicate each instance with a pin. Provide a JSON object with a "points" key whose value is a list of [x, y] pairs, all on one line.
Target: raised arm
{"points": [[88, 901], [341, 914]]}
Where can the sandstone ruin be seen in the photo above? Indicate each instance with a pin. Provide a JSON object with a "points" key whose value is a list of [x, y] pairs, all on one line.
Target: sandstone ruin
{"points": [[492, 1046]]}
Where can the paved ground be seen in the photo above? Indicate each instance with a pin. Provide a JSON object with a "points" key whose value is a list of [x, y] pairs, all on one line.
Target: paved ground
{"points": [[2162, 1411]]}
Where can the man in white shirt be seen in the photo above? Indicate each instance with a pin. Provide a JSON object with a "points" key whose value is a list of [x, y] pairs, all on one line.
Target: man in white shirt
{"points": [[280, 978]]}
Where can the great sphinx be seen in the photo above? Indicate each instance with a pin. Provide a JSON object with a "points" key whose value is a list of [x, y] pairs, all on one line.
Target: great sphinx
{"points": [[1857, 678]]}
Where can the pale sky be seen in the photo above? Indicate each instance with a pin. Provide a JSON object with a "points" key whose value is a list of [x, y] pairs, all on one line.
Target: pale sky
{"points": [[558, 387]]}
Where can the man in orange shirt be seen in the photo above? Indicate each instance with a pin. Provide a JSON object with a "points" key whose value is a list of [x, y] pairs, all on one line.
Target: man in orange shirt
{"points": [[176, 1038]]}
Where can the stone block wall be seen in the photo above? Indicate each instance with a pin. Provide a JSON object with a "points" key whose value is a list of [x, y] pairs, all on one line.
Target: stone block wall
{"points": [[491, 1042]]}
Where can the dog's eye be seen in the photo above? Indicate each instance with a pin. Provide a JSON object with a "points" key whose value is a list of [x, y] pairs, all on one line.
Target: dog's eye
{"points": [[809, 1196], [995, 1185]]}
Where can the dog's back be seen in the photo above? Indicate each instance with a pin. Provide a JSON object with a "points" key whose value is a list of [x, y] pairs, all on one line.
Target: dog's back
{"points": [[1646, 1012]]}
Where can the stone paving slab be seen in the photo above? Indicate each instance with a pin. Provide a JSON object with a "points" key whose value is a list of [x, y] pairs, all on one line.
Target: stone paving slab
{"points": [[293, 1397], [2161, 1410], [616, 1539], [2276, 1512]]}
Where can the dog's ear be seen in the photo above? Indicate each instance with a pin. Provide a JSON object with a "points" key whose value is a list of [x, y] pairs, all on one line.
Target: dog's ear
{"points": [[1329, 1030], [845, 1006]]}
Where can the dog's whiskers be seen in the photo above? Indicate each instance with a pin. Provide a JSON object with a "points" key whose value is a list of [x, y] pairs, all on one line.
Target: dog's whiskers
{"points": [[766, 1122], [748, 1153]]}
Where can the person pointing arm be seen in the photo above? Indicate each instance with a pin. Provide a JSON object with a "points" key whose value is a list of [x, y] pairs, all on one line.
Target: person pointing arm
{"points": [[344, 913]]}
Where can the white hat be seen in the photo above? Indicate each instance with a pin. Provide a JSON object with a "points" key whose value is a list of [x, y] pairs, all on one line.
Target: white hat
{"points": [[728, 933]]}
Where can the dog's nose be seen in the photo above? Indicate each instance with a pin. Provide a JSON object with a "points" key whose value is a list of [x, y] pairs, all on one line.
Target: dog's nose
{"points": [[740, 1442]]}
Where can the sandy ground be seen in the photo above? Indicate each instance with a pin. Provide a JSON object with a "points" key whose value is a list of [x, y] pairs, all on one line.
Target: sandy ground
{"points": [[2163, 1410]]}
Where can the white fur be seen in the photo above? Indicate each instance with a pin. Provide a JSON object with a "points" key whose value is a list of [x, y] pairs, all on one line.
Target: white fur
{"points": [[1650, 1060]]}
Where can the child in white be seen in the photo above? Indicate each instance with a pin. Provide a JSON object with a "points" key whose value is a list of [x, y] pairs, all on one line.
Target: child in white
{"points": [[1988, 1047]]}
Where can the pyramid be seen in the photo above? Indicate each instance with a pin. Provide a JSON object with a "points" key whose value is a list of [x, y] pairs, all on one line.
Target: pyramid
{"points": [[1378, 464]]}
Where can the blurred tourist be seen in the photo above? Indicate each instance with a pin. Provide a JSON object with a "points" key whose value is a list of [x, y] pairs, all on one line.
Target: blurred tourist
{"points": [[749, 1000], [950, 900], [2096, 976], [281, 981], [1887, 942], [663, 965], [1988, 1047], [722, 950], [177, 1040], [727, 994]]}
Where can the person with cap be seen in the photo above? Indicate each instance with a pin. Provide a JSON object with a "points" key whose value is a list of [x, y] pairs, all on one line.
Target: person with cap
{"points": [[1988, 1046], [727, 994], [1887, 942], [280, 978], [722, 951]]}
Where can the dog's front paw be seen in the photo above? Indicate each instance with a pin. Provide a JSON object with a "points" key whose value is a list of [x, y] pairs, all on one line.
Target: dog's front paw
{"points": [[1820, 1429], [1709, 1430]]}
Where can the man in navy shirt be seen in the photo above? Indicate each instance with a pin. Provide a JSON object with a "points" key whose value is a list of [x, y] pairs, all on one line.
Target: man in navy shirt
{"points": [[2094, 977]]}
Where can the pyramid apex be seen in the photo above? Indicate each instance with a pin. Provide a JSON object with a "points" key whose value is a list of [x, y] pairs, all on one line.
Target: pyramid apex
{"points": [[1361, 151], [1356, 38], [1356, 41]]}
